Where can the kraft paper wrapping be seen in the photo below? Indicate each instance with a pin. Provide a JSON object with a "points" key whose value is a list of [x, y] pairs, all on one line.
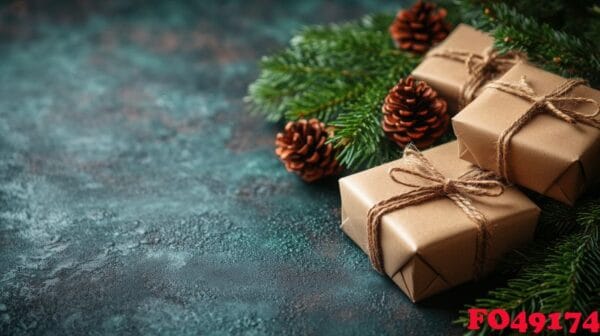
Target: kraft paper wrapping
{"points": [[447, 76], [430, 247], [548, 155]]}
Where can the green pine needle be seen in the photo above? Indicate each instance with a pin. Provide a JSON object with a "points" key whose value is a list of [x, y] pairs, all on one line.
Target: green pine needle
{"points": [[550, 47], [339, 74], [556, 275]]}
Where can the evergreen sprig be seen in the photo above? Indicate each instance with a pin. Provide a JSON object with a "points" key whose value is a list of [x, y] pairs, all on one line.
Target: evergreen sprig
{"points": [[563, 276], [359, 133], [552, 48], [339, 74]]}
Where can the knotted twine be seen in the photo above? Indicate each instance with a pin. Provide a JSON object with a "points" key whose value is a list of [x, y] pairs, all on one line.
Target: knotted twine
{"points": [[481, 68], [541, 104], [433, 186]]}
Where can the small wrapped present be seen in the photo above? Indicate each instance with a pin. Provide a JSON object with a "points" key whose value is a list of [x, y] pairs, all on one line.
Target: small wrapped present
{"points": [[459, 66], [535, 129], [431, 221]]}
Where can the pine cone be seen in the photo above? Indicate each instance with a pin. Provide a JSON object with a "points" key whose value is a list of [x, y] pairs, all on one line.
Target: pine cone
{"points": [[302, 149], [419, 27], [413, 112]]}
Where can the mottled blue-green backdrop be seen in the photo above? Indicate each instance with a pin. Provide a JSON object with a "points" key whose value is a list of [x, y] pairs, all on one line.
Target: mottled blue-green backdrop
{"points": [[137, 195]]}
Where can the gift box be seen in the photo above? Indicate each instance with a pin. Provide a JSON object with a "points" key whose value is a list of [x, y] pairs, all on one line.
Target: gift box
{"points": [[437, 225], [461, 64], [536, 129]]}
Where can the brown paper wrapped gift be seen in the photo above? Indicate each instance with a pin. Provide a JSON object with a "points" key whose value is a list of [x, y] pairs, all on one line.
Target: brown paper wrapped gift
{"points": [[461, 64], [433, 245], [555, 151]]}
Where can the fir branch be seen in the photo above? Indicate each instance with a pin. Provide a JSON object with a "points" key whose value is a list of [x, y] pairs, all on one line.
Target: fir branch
{"points": [[563, 276], [566, 280], [324, 103], [358, 131], [338, 33], [550, 48], [359, 134], [340, 75], [322, 62]]}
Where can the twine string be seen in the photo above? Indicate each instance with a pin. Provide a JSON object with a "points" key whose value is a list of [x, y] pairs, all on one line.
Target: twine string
{"points": [[480, 67], [429, 185], [555, 103]]}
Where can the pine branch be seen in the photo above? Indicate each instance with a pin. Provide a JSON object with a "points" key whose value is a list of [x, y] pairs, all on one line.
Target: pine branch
{"points": [[358, 131], [550, 48], [563, 281], [359, 134], [340, 33], [339, 74], [573, 17], [562, 277], [322, 63]]}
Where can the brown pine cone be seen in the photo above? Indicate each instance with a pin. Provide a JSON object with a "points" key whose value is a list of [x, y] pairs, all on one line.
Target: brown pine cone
{"points": [[413, 112], [419, 27], [302, 149]]}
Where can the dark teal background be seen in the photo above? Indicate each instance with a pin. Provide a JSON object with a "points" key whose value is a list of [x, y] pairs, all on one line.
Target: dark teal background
{"points": [[138, 196]]}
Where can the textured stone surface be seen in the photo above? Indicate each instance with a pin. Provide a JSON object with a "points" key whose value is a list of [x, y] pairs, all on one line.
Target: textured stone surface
{"points": [[137, 196]]}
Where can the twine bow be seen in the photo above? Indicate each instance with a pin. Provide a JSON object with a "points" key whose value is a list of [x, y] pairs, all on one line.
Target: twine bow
{"points": [[552, 103], [433, 185], [481, 68]]}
